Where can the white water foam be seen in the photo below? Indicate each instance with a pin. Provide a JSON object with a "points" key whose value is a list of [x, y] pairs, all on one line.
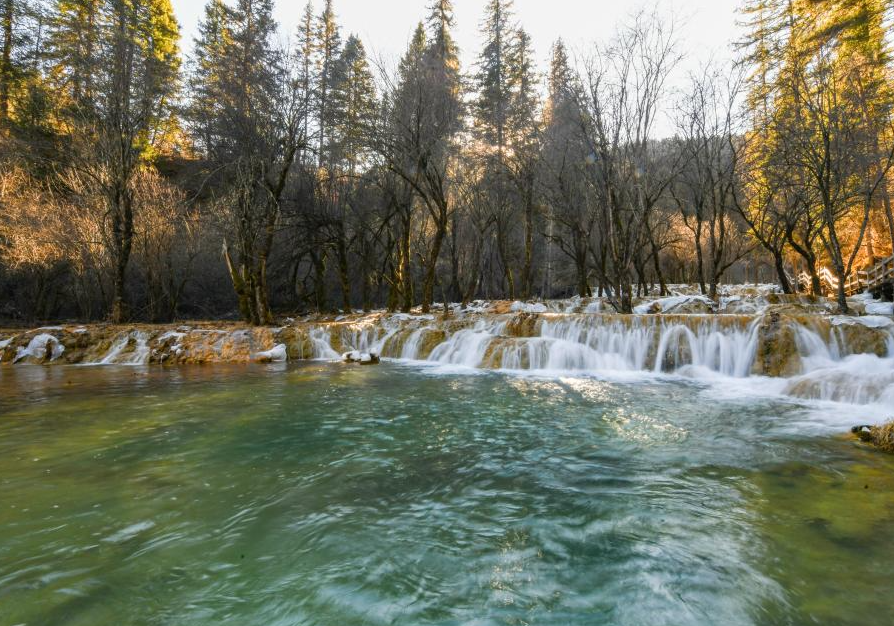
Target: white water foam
{"points": [[719, 355]]}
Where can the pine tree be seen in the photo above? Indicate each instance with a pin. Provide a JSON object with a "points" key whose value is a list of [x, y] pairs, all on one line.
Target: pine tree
{"points": [[354, 98], [328, 50], [304, 66], [442, 63], [411, 62], [22, 33], [136, 75], [206, 83], [525, 140], [493, 79], [443, 46], [8, 15], [74, 50], [560, 82], [253, 140]]}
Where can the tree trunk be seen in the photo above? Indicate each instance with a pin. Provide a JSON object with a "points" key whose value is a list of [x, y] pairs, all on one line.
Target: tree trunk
{"points": [[583, 285], [626, 300], [779, 263], [842, 298], [6, 61], [527, 270], [700, 260], [122, 237], [239, 286], [406, 278], [319, 263], [504, 260], [428, 285], [343, 274], [886, 200]]}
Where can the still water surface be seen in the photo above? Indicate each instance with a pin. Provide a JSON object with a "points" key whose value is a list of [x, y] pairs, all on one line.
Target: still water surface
{"points": [[328, 495]]}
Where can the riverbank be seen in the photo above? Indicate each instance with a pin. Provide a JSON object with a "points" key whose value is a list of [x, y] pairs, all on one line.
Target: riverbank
{"points": [[796, 347]]}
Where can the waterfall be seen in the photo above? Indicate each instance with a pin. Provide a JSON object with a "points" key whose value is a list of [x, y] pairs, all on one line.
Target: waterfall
{"points": [[569, 343], [832, 372], [836, 362], [467, 347], [321, 343], [811, 356], [130, 348]]}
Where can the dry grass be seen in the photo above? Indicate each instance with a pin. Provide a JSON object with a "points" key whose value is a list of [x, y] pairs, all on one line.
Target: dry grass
{"points": [[883, 437]]}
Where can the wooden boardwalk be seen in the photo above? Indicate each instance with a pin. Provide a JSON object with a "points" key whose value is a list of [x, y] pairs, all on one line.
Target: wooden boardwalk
{"points": [[877, 280]]}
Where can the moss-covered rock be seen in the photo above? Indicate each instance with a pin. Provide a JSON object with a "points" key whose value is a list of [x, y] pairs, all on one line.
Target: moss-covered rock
{"points": [[523, 325], [777, 350]]}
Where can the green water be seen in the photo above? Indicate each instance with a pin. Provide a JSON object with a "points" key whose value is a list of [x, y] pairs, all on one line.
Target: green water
{"points": [[324, 494]]}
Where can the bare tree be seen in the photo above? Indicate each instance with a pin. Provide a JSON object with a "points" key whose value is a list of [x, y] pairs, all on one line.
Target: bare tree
{"points": [[707, 187], [624, 89]]}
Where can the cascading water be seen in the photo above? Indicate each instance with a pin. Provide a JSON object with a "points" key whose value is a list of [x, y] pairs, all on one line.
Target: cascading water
{"points": [[831, 364], [832, 372], [577, 343], [811, 355], [131, 348], [467, 347]]}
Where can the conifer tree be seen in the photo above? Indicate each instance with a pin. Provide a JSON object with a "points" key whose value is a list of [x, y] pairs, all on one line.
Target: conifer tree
{"points": [[355, 101], [206, 84], [254, 140], [442, 63], [74, 50], [8, 17], [22, 43], [494, 76], [304, 60], [138, 63], [328, 51], [525, 140]]}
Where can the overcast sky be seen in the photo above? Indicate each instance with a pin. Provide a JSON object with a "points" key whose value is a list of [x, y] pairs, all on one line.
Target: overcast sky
{"points": [[707, 26]]}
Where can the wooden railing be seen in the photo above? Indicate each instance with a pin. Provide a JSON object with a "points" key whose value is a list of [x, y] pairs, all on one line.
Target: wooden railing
{"points": [[870, 279]]}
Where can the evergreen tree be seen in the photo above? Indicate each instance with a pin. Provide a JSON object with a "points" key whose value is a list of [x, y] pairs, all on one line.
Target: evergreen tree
{"points": [[494, 76], [207, 80], [22, 34], [355, 101], [253, 140], [74, 50], [328, 52], [560, 82], [304, 67], [443, 46], [525, 140], [442, 63], [136, 75]]}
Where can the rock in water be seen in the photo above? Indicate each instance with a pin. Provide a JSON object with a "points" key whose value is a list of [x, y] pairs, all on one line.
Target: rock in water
{"points": [[363, 358], [370, 359]]}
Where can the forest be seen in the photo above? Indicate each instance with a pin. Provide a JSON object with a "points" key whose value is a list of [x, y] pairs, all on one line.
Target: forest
{"points": [[266, 176]]}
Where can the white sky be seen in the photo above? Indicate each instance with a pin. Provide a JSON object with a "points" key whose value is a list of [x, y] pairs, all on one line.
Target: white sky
{"points": [[706, 28]]}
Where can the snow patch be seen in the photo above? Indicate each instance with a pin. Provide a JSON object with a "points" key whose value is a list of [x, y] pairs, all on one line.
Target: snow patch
{"points": [[671, 304], [870, 321], [528, 307], [880, 308], [38, 348], [278, 354]]}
